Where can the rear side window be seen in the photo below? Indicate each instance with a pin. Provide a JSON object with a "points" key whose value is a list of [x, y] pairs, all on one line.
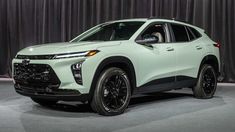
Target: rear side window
{"points": [[180, 33]]}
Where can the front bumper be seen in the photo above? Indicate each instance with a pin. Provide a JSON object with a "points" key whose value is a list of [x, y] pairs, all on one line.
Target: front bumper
{"points": [[63, 95], [63, 86], [40, 81]]}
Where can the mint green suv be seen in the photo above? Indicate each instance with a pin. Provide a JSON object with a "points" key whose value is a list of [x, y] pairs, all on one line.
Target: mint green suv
{"points": [[110, 62]]}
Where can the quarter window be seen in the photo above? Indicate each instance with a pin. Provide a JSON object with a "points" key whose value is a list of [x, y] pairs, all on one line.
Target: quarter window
{"points": [[190, 34], [195, 32]]}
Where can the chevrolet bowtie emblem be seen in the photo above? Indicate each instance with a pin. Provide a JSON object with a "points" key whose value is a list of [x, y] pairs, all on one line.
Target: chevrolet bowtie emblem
{"points": [[25, 61]]}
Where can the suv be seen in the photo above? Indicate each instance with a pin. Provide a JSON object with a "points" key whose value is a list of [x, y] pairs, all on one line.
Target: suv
{"points": [[110, 62]]}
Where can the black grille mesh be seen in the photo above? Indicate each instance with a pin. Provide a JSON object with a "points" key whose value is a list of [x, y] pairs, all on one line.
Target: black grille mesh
{"points": [[38, 77]]}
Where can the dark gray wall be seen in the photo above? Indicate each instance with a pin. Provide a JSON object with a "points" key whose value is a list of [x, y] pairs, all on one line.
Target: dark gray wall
{"points": [[30, 22]]}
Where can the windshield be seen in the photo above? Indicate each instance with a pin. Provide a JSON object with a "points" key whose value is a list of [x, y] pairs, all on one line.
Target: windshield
{"points": [[110, 32]]}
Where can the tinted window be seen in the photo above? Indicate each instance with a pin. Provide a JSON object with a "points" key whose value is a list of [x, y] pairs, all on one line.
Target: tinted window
{"points": [[180, 33], [195, 32], [190, 34]]}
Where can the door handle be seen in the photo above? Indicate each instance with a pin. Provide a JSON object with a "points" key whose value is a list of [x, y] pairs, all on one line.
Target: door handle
{"points": [[198, 47], [169, 49]]}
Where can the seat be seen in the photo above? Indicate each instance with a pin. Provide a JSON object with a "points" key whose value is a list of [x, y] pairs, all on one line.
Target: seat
{"points": [[159, 35]]}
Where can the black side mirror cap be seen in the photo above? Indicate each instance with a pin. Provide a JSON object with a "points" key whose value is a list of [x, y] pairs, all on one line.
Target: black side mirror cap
{"points": [[148, 41]]}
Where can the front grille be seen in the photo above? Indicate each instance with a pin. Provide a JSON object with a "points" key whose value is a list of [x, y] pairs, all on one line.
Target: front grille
{"points": [[39, 78], [35, 57]]}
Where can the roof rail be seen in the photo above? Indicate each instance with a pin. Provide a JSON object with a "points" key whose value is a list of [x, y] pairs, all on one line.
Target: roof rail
{"points": [[160, 17], [167, 18]]}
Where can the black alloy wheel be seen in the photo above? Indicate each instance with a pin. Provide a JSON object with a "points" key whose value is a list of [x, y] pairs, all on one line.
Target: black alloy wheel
{"points": [[207, 83], [112, 93]]}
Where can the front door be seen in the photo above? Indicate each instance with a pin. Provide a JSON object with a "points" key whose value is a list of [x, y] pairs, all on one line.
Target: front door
{"points": [[159, 59]]}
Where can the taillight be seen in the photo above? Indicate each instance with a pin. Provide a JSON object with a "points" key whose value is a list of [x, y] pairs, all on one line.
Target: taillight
{"points": [[218, 45]]}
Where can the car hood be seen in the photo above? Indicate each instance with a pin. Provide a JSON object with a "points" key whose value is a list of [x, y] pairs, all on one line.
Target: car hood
{"points": [[65, 47]]}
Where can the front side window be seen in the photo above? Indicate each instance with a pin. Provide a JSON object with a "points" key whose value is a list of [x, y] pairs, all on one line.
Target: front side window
{"points": [[180, 33], [111, 32], [155, 30]]}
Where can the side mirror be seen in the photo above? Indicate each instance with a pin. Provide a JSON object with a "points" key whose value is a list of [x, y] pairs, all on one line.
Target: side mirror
{"points": [[148, 40]]}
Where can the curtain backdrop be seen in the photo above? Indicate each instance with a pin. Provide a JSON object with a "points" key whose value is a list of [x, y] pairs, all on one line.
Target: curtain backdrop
{"points": [[29, 22]]}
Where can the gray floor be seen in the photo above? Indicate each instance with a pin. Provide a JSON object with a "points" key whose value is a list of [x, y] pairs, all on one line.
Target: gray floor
{"points": [[174, 111]]}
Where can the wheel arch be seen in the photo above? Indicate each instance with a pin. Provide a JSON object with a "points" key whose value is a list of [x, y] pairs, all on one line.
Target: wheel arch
{"points": [[114, 61], [213, 61]]}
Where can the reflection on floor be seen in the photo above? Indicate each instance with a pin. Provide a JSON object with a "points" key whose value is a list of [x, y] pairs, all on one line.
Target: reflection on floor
{"points": [[165, 112]]}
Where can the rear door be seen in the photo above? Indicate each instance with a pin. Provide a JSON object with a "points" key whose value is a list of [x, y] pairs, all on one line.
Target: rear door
{"points": [[189, 52]]}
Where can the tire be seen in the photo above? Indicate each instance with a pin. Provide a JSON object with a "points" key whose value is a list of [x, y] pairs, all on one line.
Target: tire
{"points": [[206, 84], [44, 102], [112, 92]]}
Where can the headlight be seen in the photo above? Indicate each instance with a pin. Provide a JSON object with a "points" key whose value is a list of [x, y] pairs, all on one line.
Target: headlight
{"points": [[76, 54]]}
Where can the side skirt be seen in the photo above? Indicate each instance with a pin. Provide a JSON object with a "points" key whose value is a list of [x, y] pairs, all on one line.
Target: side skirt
{"points": [[166, 84]]}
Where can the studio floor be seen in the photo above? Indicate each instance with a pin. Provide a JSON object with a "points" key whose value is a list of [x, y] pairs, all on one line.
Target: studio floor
{"points": [[175, 111]]}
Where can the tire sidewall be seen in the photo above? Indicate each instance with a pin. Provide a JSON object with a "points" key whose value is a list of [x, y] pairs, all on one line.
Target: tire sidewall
{"points": [[99, 89], [199, 87]]}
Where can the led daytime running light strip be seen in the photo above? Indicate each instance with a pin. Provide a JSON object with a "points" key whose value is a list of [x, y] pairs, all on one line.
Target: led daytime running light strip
{"points": [[71, 55], [78, 54]]}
